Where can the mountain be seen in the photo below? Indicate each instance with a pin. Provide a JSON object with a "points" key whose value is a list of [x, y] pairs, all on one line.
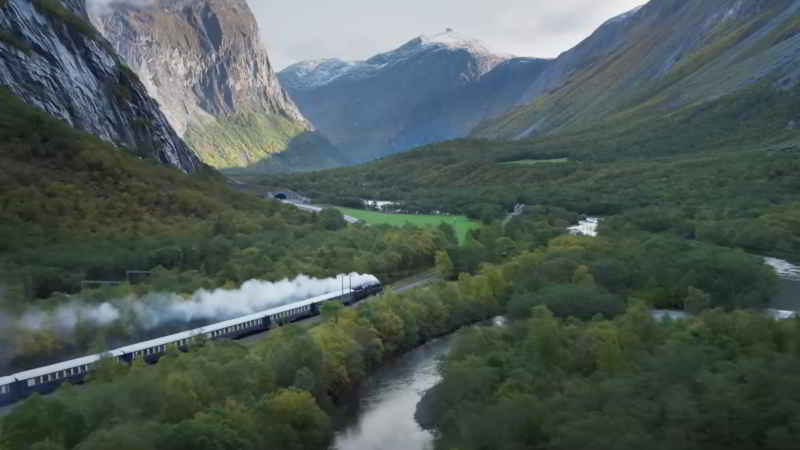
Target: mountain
{"points": [[657, 59], [385, 104], [204, 63], [52, 57]]}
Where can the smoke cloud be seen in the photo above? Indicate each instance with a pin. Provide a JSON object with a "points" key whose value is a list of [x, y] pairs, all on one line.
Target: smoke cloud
{"points": [[155, 310], [27, 339]]}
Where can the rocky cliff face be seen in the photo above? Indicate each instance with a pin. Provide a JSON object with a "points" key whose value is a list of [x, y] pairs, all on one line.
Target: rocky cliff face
{"points": [[659, 58], [385, 104], [52, 57], [205, 64]]}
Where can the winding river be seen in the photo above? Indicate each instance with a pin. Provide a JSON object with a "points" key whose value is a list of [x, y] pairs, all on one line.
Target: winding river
{"points": [[787, 302], [381, 416]]}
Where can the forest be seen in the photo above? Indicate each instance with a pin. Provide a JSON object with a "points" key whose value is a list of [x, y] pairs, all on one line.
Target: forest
{"points": [[283, 389], [74, 208], [581, 355], [714, 381]]}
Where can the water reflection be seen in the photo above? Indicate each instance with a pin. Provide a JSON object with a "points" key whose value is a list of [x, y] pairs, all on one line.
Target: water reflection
{"points": [[383, 413], [788, 298]]}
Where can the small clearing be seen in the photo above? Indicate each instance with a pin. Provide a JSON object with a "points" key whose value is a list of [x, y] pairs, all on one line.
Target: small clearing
{"points": [[460, 223]]}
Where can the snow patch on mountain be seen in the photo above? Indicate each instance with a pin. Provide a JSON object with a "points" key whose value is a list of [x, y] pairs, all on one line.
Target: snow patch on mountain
{"points": [[624, 16], [313, 74], [457, 41]]}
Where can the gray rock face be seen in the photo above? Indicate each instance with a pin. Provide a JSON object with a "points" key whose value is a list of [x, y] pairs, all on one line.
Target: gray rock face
{"points": [[54, 59], [385, 104], [205, 64]]}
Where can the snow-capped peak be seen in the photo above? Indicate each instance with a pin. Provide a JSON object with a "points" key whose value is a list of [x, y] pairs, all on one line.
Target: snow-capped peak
{"points": [[316, 73], [454, 40]]}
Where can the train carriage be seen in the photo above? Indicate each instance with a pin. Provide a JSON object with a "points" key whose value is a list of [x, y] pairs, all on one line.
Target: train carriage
{"points": [[46, 379]]}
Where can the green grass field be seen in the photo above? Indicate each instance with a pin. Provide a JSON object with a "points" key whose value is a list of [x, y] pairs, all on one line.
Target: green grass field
{"points": [[461, 223], [535, 162]]}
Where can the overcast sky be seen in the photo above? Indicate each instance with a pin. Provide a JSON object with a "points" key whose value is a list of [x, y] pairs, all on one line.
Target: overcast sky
{"points": [[296, 30]]}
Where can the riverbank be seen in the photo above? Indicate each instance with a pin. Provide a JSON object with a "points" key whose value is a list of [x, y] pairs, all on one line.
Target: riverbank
{"points": [[381, 413]]}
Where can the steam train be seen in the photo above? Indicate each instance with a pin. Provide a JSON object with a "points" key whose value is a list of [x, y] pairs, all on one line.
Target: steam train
{"points": [[46, 379]]}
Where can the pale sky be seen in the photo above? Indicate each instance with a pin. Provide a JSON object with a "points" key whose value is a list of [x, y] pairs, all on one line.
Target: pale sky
{"points": [[296, 30]]}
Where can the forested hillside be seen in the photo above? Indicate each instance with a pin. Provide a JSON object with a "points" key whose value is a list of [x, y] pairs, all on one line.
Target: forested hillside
{"points": [[652, 251], [717, 381], [74, 208], [726, 173], [656, 333], [284, 390]]}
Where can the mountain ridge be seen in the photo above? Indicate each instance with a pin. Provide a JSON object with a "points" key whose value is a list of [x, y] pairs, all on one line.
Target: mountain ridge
{"points": [[655, 59], [371, 107]]}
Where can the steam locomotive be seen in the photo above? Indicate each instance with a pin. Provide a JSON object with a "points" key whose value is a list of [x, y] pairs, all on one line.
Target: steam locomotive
{"points": [[46, 379]]}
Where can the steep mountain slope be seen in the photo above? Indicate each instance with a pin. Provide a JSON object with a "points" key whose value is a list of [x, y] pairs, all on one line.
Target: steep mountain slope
{"points": [[456, 113], [52, 57], [384, 104], [658, 58], [205, 64]]}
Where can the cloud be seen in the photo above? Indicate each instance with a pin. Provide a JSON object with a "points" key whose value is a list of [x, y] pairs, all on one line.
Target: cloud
{"points": [[358, 29]]}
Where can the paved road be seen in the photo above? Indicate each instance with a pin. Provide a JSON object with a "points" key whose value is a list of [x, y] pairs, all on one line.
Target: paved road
{"points": [[316, 209]]}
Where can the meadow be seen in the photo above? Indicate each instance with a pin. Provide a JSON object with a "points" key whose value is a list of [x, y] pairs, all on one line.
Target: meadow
{"points": [[461, 224]]}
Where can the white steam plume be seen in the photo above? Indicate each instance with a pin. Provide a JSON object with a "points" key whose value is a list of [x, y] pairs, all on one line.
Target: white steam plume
{"points": [[154, 310]]}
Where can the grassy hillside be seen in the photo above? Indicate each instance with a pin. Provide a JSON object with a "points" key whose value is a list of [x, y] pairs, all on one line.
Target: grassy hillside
{"points": [[262, 143], [241, 140], [663, 59]]}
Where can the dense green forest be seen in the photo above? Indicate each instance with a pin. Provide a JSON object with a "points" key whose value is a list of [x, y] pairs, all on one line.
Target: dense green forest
{"points": [[716, 381], [681, 199], [74, 208], [282, 391], [727, 173]]}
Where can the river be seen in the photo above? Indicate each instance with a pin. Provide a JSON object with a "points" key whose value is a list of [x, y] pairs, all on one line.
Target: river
{"points": [[381, 415], [788, 297]]}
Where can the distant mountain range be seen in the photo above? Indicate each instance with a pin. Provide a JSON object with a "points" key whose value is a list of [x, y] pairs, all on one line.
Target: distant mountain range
{"points": [[384, 104], [204, 64], [650, 61]]}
